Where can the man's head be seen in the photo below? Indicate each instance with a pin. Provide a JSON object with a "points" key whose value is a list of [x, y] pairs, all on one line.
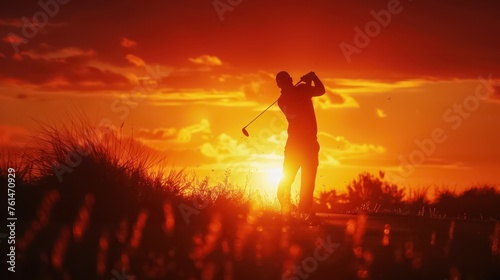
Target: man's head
{"points": [[283, 80]]}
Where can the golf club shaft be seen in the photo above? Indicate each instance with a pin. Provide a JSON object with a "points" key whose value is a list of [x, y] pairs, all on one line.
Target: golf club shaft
{"points": [[261, 113], [267, 108]]}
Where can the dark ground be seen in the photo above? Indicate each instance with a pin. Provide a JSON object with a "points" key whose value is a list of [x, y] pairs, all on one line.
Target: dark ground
{"points": [[259, 245]]}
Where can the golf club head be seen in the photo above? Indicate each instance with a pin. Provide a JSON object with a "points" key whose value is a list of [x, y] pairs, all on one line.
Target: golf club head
{"points": [[245, 132]]}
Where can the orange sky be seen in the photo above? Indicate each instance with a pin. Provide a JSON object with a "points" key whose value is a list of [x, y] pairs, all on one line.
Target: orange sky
{"points": [[208, 77]]}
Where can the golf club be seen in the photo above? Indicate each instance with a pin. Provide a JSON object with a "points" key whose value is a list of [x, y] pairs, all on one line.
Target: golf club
{"points": [[244, 129]]}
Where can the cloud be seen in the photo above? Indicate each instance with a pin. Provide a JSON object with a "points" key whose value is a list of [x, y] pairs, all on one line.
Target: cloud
{"points": [[225, 148], [18, 23], [207, 60], [174, 135], [174, 97], [361, 86], [381, 113], [127, 43], [245, 153], [157, 134], [60, 70], [345, 147], [433, 56], [328, 159], [12, 39], [279, 139], [259, 87], [12, 135], [60, 55], [334, 149], [135, 60], [185, 134], [496, 92], [332, 100], [10, 22]]}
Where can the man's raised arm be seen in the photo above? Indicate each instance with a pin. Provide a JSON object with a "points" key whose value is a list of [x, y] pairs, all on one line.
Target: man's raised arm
{"points": [[318, 88]]}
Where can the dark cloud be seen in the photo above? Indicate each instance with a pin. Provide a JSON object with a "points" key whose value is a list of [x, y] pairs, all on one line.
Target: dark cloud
{"points": [[428, 39], [71, 73], [496, 92], [22, 96], [157, 134]]}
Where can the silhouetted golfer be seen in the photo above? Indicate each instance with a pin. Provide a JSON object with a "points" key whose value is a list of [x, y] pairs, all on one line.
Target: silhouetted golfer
{"points": [[302, 147]]}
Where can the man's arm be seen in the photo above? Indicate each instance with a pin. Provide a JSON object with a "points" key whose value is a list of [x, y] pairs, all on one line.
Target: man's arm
{"points": [[318, 88]]}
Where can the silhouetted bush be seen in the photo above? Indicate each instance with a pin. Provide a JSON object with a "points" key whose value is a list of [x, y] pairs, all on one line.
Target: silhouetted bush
{"points": [[368, 192], [478, 202]]}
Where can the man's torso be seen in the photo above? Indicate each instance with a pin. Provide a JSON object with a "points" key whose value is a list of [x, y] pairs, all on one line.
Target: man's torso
{"points": [[298, 108]]}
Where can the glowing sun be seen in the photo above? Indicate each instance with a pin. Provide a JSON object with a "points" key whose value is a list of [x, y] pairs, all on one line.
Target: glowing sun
{"points": [[274, 175]]}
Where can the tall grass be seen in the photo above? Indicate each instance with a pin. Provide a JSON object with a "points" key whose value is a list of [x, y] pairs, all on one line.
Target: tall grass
{"points": [[86, 185], [104, 147]]}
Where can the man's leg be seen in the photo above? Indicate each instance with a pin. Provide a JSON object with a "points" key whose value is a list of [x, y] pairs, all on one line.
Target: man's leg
{"points": [[290, 167], [308, 179]]}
